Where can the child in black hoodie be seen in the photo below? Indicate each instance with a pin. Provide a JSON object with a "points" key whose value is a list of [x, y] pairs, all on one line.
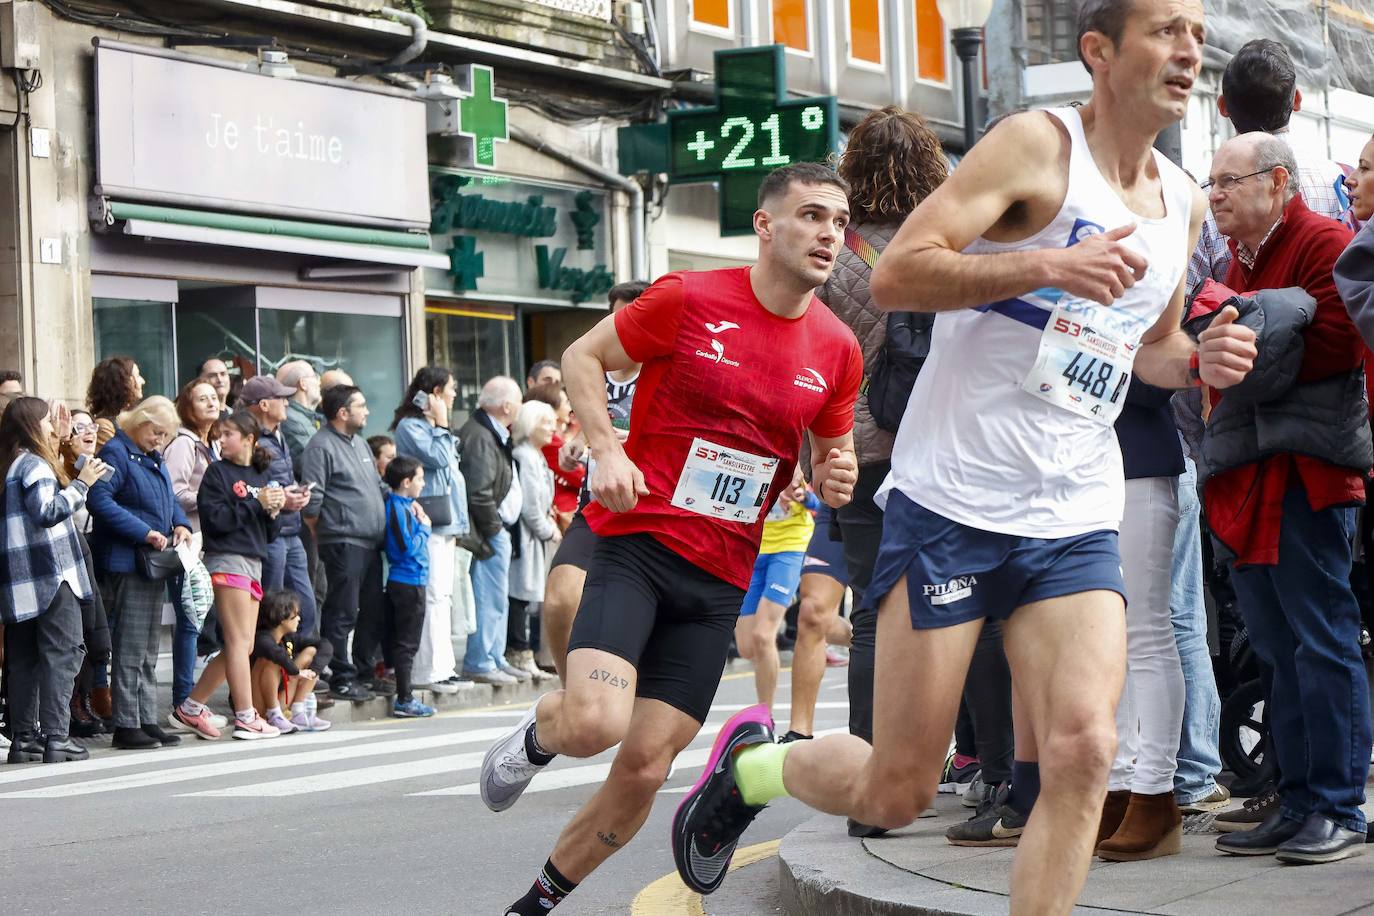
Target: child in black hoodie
{"points": [[239, 509], [287, 665]]}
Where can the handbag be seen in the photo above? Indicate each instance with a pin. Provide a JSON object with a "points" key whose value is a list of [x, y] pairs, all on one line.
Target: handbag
{"points": [[438, 508], [157, 565]]}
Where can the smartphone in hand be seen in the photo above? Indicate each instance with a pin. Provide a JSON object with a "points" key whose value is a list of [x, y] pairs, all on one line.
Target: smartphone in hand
{"points": [[81, 463]]}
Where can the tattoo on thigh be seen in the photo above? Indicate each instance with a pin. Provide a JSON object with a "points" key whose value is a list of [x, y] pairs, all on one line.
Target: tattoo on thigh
{"points": [[609, 839], [601, 674]]}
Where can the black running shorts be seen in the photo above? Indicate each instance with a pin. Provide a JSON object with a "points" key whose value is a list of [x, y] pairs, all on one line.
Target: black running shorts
{"points": [[670, 619], [577, 545]]}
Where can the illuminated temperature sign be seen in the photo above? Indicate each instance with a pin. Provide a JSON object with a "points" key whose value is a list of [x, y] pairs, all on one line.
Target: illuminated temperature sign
{"points": [[752, 129]]}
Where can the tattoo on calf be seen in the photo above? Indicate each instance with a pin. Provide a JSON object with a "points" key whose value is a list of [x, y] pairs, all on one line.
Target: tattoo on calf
{"points": [[609, 839], [601, 674]]}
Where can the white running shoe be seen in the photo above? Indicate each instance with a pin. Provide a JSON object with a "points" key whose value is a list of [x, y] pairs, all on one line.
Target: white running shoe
{"points": [[507, 769]]}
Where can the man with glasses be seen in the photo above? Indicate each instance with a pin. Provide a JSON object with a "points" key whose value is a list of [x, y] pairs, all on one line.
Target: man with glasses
{"points": [[1287, 470], [286, 565]]}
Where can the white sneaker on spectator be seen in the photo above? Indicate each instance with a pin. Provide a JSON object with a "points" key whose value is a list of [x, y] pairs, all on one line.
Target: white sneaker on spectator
{"points": [[440, 687], [515, 672], [255, 729], [280, 722], [496, 678]]}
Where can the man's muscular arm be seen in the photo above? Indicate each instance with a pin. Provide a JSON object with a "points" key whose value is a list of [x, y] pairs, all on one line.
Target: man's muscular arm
{"points": [[618, 484], [1226, 351], [1020, 162]]}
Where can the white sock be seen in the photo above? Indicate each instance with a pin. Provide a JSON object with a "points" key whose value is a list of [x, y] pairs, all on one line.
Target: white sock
{"points": [[274, 711], [245, 715], [298, 708], [191, 707]]}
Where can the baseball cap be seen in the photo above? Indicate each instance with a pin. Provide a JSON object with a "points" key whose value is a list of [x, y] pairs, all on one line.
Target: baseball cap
{"points": [[262, 388]]}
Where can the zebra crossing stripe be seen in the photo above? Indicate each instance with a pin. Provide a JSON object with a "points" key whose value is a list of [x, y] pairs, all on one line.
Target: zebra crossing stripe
{"points": [[168, 757], [271, 762], [348, 779]]}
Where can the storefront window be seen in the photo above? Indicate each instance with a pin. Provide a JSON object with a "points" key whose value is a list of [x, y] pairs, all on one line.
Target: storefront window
{"points": [[473, 347], [224, 331], [369, 348], [143, 331]]}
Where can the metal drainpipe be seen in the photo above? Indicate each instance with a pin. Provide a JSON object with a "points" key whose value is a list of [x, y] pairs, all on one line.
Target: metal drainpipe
{"points": [[639, 255], [419, 34]]}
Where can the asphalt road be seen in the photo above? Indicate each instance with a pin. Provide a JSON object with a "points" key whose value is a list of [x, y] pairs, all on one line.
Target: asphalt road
{"points": [[372, 818]]}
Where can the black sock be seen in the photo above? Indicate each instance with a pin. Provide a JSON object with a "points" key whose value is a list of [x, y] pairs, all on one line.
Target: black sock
{"points": [[547, 892], [533, 751], [1025, 786]]}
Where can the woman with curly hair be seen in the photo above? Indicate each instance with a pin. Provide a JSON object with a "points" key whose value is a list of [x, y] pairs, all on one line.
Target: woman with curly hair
{"points": [[116, 386]]}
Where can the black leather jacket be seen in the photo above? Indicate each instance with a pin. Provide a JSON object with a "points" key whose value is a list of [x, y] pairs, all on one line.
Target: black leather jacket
{"points": [[488, 467]]}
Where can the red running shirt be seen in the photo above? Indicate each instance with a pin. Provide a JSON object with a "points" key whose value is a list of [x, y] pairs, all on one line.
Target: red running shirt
{"points": [[720, 367]]}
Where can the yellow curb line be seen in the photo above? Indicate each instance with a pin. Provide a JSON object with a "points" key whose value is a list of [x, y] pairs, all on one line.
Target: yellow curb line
{"points": [[668, 895]]}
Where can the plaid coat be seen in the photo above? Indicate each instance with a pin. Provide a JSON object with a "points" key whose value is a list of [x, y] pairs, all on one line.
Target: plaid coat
{"points": [[42, 548]]}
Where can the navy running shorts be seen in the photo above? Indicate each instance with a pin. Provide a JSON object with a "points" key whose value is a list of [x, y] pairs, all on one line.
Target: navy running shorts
{"points": [[776, 577], [955, 573], [825, 557]]}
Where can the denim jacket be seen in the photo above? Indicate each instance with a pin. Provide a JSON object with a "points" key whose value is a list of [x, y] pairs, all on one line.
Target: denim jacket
{"points": [[437, 450]]}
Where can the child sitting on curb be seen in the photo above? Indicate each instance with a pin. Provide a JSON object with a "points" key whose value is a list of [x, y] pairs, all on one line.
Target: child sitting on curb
{"points": [[286, 665]]}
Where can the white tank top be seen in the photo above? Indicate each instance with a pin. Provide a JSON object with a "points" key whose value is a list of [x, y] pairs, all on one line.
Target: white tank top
{"points": [[976, 448]]}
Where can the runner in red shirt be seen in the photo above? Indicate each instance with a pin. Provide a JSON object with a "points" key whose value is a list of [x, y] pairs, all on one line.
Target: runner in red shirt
{"points": [[737, 366]]}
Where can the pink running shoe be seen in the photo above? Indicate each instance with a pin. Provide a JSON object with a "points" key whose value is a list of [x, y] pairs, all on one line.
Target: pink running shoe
{"points": [[307, 722], [280, 722], [202, 724], [252, 731]]}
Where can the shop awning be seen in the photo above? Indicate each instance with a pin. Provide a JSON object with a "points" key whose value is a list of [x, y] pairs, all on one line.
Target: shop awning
{"points": [[342, 246]]}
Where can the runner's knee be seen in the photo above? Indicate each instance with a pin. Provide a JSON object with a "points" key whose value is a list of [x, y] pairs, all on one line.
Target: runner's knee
{"points": [[1077, 753], [641, 771], [587, 729], [813, 617], [899, 802]]}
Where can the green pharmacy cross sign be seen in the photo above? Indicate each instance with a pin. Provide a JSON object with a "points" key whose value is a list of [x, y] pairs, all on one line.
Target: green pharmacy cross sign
{"points": [[481, 117], [752, 129]]}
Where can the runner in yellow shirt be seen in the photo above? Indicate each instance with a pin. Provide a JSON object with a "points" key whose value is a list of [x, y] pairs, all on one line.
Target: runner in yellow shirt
{"points": [[777, 571]]}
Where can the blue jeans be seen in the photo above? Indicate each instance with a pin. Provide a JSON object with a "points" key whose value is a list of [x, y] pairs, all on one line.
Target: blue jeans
{"points": [[184, 635], [1198, 759], [486, 649], [286, 567], [1304, 622]]}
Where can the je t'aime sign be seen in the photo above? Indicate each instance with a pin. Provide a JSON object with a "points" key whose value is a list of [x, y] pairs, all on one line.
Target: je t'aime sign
{"points": [[181, 131]]}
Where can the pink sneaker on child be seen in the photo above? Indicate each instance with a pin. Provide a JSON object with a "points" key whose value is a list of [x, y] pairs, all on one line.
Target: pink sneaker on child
{"points": [[280, 722], [308, 722], [252, 731], [200, 724]]}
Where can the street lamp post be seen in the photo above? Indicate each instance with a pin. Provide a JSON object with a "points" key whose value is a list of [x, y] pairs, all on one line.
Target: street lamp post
{"points": [[965, 19]]}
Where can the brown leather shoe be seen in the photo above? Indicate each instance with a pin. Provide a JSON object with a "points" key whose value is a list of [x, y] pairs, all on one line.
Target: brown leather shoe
{"points": [[1152, 827], [1112, 812], [102, 704]]}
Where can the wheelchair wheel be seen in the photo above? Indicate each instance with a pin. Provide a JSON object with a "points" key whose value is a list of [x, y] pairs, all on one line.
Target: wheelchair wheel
{"points": [[1244, 730]]}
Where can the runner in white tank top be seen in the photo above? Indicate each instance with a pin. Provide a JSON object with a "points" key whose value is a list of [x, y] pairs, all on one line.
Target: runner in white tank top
{"points": [[975, 446], [1006, 487]]}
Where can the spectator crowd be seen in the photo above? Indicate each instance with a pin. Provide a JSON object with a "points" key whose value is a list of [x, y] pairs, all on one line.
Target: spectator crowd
{"points": [[313, 565]]}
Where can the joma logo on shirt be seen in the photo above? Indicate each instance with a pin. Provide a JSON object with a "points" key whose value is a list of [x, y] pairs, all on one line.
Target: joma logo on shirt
{"points": [[956, 589]]}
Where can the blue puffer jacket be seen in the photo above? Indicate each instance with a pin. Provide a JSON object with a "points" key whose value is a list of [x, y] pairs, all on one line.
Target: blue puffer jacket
{"points": [[283, 473], [137, 499]]}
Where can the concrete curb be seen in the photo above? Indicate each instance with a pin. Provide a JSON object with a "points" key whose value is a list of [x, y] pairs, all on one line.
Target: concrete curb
{"points": [[824, 872], [470, 695]]}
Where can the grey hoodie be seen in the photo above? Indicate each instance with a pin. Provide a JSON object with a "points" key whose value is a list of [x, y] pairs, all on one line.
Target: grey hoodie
{"points": [[347, 498], [1355, 282]]}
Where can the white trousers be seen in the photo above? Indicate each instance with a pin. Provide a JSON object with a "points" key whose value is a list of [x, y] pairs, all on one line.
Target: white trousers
{"points": [[1149, 718], [434, 660]]}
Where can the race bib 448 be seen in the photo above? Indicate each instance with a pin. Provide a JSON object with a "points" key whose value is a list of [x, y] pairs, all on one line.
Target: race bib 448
{"points": [[1081, 367]]}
